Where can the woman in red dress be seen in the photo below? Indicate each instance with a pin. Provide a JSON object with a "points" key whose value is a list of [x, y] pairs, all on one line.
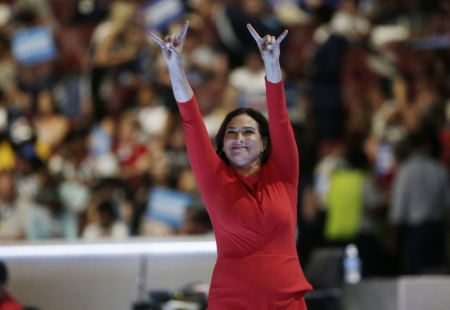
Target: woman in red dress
{"points": [[249, 187]]}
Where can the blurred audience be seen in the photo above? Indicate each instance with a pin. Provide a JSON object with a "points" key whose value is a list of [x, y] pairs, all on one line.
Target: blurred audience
{"points": [[196, 220], [353, 208], [51, 219], [325, 77], [51, 127], [420, 200], [115, 45], [96, 116], [249, 82], [105, 224], [349, 22], [132, 153], [14, 211]]}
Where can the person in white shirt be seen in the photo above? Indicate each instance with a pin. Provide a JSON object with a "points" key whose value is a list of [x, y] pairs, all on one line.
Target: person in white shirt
{"points": [[14, 213], [107, 224]]}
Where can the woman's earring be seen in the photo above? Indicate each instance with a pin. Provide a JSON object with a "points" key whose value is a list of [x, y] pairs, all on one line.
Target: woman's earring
{"points": [[262, 153]]}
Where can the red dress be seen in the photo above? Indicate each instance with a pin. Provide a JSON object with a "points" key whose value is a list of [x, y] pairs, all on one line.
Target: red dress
{"points": [[8, 303], [254, 218]]}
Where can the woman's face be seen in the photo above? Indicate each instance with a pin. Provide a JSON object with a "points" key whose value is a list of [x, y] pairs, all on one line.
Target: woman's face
{"points": [[242, 142]]}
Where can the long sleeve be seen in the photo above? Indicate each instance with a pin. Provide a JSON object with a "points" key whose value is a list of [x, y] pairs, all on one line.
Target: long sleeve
{"points": [[202, 156], [284, 149]]}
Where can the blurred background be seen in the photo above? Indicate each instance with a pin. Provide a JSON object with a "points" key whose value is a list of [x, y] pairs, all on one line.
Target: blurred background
{"points": [[92, 147]]}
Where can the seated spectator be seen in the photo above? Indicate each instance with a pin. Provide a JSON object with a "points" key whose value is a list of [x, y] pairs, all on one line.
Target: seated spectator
{"points": [[228, 101], [72, 161], [420, 203], [8, 66], [27, 170], [349, 22], [202, 62], [17, 109], [51, 127], [115, 190], [187, 183], [387, 120], [159, 169], [230, 17], [353, 203], [106, 225], [100, 144], [6, 300], [51, 219], [14, 212], [175, 150], [151, 112], [131, 152], [249, 80], [115, 46], [196, 220], [40, 10]]}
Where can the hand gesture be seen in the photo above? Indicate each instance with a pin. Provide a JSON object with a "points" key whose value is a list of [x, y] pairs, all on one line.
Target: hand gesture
{"points": [[268, 46], [172, 45]]}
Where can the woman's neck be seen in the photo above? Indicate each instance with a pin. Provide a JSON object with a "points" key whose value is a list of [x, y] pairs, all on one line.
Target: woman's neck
{"points": [[248, 171]]}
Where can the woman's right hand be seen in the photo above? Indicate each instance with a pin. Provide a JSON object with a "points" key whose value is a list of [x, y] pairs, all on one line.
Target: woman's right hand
{"points": [[172, 45]]}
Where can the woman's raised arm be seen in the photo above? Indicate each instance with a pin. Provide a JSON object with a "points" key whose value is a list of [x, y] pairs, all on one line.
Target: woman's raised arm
{"points": [[284, 150], [270, 53], [171, 48]]}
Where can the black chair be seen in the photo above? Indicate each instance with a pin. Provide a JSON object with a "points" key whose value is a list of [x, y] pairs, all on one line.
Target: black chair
{"points": [[324, 271]]}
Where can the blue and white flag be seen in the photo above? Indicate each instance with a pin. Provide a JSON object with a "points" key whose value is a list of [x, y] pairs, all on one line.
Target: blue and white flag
{"points": [[159, 14], [33, 46]]}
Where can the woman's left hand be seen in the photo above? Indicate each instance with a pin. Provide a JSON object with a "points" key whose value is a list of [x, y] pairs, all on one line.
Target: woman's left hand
{"points": [[268, 46]]}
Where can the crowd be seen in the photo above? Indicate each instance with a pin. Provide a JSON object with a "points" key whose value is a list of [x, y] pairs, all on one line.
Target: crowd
{"points": [[90, 128]]}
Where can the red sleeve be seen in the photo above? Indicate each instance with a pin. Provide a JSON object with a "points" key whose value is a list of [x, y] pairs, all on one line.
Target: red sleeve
{"points": [[284, 151], [202, 156]]}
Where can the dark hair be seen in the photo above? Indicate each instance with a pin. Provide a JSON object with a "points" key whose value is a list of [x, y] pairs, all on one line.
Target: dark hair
{"points": [[357, 159], [354, 152], [197, 211], [107, 207], [263, 129], [323, 14]]}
